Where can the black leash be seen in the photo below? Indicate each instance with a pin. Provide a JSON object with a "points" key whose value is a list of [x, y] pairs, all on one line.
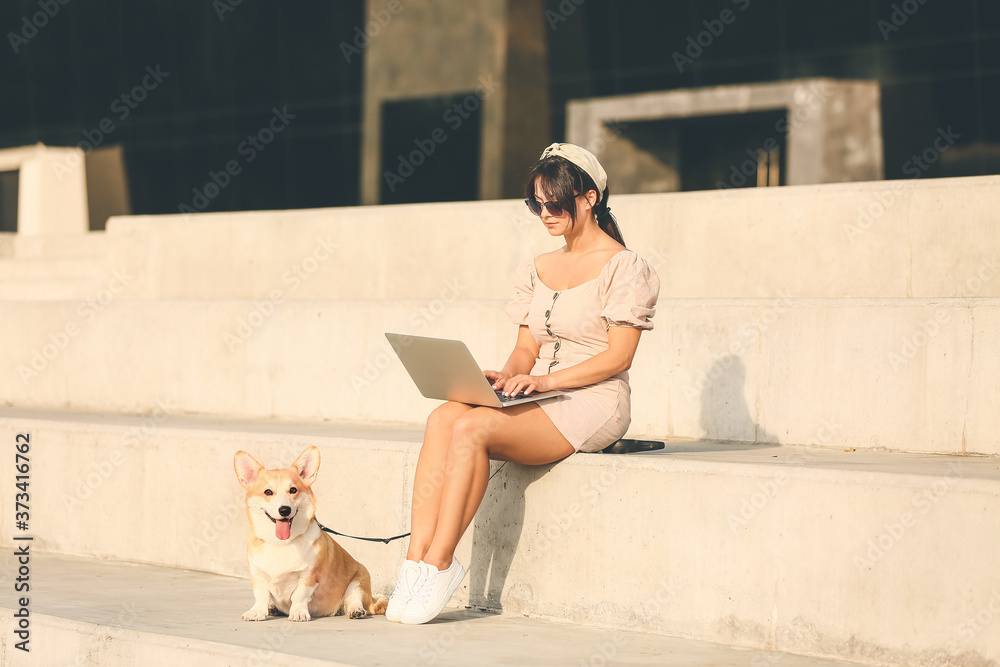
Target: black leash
{"points": [[386, 540], [355, 537]]}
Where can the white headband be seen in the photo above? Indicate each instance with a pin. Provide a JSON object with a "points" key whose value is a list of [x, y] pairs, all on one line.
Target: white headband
{"points": [[582, 158]]}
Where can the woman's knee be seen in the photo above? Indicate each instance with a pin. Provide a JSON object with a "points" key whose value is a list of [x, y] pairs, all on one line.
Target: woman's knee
{"points": [[474, 428], [442, 418]]}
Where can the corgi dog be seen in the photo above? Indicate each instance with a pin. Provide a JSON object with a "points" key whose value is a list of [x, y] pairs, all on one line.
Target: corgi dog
{"points": [[295, 567]]}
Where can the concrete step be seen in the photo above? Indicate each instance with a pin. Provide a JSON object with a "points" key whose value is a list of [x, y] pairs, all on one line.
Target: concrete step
{"points": [[83, 284], [119, 615], [51, 268], [7, 244], [876, 557], [915, 238], [898, 374], [49, 289], [88, 244]]}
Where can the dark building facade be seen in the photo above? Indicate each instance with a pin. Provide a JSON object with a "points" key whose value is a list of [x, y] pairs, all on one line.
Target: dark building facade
{"points": [[230, 105]]}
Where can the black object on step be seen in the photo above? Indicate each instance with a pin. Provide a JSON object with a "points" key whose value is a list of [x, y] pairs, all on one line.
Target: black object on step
{"points": [[630, 446]]}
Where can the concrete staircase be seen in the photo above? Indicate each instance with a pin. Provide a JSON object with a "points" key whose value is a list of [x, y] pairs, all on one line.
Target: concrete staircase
{"points": [[40, 268], [827, 387], [104, 613]]}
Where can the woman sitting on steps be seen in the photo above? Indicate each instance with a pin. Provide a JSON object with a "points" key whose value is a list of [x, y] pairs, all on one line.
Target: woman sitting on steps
{"points": [[580, 311]]}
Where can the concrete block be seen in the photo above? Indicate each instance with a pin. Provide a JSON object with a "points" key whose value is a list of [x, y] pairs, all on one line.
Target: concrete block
{"points": [[92, 245], [900, 374], [879, 239], [868, 556], [120, 615], [52, 189], [7, 244]]}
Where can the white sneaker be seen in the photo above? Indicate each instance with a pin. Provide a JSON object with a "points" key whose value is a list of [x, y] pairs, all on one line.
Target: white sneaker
{"points": [[432, 592], [409, 575]]}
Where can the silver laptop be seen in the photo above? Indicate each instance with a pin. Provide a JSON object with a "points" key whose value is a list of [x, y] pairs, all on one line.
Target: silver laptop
{"points": [[445, 370]]}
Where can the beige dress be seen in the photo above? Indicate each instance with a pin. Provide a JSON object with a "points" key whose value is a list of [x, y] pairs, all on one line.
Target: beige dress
{"points": [[571, 326]]}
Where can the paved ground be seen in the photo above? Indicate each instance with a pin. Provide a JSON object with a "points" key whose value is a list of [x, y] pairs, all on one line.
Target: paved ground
{"points": [[163, 606]]}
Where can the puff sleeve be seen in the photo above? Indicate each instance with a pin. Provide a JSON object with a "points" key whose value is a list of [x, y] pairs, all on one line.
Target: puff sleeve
{"points": [[524, 289], [629, 288]]}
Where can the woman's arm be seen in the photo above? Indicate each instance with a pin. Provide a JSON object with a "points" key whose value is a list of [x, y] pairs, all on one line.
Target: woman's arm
{"points": [[521, 360], [622, 343]]}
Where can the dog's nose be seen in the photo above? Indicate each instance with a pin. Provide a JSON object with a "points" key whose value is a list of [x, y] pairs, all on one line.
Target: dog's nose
{"points": [[284, 510]]}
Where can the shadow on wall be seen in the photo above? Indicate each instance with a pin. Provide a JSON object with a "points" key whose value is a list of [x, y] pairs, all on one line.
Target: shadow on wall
{"points": [[497, 527], [725, 415], [497, 532]]}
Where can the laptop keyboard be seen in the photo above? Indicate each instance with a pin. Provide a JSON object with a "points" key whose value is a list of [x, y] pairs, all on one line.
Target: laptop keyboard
{"points": [[505, 399]]}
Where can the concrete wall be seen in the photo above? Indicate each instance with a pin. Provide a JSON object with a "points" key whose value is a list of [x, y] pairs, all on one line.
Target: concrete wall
{"points": [[911, 375], [882, 559], [933, 238], [7, 244], [52, 189]]}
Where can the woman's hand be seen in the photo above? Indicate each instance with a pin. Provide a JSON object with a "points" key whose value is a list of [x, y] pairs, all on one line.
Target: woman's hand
{"points": [[497, 379], [529, 384]]}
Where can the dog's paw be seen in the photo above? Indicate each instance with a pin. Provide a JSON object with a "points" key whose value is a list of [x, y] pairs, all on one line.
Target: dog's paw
{"points": [[255, 614], [358, 613], [299, 615]]}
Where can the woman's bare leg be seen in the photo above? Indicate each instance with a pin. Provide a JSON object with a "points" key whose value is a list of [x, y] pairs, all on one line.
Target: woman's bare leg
{"points": [[430, 475], [523, 434]]}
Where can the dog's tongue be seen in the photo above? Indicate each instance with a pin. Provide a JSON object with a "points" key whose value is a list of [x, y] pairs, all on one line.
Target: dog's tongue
{"points": [[283, 529]]}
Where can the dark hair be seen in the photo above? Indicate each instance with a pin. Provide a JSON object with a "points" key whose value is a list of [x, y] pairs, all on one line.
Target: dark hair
{"points": [[564, 181]]}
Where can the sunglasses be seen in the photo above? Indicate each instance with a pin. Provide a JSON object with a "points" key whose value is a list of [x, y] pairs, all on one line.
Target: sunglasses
{"points": [[554, 209]]}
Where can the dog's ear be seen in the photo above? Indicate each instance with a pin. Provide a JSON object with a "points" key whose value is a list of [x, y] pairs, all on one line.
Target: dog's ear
{"points": [[247, 468], [307, 465]]}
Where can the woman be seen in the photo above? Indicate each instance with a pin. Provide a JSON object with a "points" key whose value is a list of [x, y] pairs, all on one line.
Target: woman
{"points": [[580, 311]]}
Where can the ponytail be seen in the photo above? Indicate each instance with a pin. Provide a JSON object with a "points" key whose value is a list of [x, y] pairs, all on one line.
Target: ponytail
{"points": [[606, 220]]}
